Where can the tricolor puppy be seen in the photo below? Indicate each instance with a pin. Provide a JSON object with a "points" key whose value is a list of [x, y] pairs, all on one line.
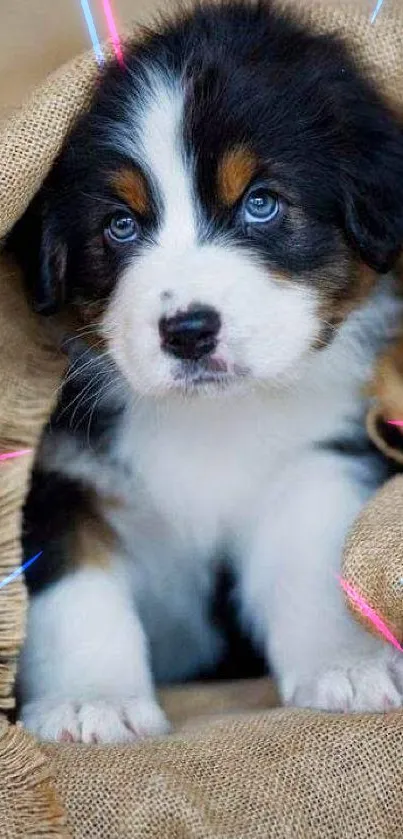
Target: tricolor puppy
{"points": [[221, 218]]}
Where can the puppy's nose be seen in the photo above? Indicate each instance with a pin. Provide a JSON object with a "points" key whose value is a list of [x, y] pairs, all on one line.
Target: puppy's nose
{"points": [[192, 334]]}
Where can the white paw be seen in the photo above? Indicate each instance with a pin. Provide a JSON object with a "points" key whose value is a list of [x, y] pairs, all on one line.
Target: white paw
{"points": [[367, 685], [98, 721]]}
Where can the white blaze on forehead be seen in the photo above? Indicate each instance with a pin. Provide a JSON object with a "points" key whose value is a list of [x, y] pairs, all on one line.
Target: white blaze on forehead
{"points": [[159, 136], [267, 324]]}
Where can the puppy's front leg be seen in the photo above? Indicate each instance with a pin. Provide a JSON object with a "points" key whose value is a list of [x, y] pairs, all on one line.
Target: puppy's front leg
{"points": [[322, 657], [84, 673]]}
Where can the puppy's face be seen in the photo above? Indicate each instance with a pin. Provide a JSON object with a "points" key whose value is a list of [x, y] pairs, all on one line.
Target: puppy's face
{"points": [[219, 201]]}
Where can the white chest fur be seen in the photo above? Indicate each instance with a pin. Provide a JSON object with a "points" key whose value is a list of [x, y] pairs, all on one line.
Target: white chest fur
{"points": [[202, 461], [239, 471]]}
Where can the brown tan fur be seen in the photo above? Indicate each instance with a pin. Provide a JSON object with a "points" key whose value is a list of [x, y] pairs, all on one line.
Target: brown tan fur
{"points": [[235, 171], [335, 308], [131, 187]]}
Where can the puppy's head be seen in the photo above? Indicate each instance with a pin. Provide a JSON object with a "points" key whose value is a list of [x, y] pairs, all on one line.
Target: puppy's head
{"points": [[219, 201]]}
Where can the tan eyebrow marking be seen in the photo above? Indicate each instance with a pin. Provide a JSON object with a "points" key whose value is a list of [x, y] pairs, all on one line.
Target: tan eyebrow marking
{"points": [[131, 187], [235, 171]]}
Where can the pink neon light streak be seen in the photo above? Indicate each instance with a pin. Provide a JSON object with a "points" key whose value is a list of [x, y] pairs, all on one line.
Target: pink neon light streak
{"points": [[113, 30], [395, 422], [369, 613], [10, 455]]}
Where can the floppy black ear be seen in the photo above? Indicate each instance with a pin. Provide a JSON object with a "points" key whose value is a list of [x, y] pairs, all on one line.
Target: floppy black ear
{"points": [[49, 284], [42, 255], [373, 186]]}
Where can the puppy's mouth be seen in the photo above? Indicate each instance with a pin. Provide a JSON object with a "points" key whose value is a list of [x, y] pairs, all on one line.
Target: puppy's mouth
{"points": [[213, 372]]}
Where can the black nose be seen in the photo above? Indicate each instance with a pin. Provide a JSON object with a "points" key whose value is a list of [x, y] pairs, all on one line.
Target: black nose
{"points": [[190, 335]]}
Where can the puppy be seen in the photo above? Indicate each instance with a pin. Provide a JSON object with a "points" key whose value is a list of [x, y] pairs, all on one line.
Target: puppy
{"points": [[224, 218]]}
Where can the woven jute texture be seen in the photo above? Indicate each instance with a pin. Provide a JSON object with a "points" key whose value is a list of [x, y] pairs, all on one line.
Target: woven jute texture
{"points": [[374, 562], [277, 774], [29, 803], [374, 552], [283, 775], [30, 370]]}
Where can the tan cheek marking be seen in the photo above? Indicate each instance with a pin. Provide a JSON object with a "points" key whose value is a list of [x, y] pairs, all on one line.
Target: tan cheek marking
{"points": [[360, 289], [281, 277], [335, 308], [131, 187], [235, 171]]}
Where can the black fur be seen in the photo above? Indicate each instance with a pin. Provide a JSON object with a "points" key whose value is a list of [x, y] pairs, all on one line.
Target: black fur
{"points": [[50, 510], [92, 381], [332, 148], [55, 500]]}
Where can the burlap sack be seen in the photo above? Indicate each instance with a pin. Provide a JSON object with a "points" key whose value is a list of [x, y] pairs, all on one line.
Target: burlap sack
{"points": [[276, 774], [374, 553]]}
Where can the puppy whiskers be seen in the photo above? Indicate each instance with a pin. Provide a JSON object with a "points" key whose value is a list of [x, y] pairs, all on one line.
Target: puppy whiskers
{"points": [[82, 402], [75, 371]]}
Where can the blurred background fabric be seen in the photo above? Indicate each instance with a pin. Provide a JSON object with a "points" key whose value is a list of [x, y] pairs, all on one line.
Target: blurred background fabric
{"points": [[37, 36]]}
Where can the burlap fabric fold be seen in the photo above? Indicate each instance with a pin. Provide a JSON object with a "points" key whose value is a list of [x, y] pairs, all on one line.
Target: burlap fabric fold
{"points": [[275, 774], [29, 803], [374, 552]]}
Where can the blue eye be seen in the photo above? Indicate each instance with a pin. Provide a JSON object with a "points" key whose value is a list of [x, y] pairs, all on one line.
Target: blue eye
{"points": [[260, 205], [122, 228]]}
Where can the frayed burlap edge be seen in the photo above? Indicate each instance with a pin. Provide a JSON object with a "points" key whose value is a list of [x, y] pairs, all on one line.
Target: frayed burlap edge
{"points": [[29, 803], [29, 379], [31, 137], [28, 382]]}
